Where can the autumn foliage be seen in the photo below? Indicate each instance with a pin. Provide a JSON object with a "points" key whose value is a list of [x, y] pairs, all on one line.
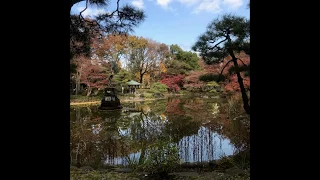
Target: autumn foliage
{"points": [[173, 82], [231, 83], [192, 80], [92, 74], [94, 77], [174, 107]]}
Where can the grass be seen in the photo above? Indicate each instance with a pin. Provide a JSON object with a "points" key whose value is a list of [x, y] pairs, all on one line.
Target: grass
{"points": [[101, 175], [142, 95], [80, 98]]}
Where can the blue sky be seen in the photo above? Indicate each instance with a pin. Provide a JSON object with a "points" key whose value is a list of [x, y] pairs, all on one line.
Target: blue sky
{"points": [[175, 21]]}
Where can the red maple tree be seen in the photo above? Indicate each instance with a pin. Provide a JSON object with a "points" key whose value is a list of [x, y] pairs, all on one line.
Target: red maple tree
{"points": [[173, 82], [231, 84], [192, 82], [93, 75]]}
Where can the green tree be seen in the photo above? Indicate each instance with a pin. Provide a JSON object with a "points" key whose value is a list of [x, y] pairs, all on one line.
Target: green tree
{"points": [[122, 77], [190, 58], [226, 37], [181, 61], [175, 67], [175, 49]]}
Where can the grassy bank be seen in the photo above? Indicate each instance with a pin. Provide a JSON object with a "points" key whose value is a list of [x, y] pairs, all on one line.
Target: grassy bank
{"points": [[76, 100], [226, 168], [104, 175]]}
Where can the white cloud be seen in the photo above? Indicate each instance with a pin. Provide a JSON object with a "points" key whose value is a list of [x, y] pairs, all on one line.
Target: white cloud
{"points": [[138, 4], [90, 11], [164, 3], [209, 6], [188, 2], [212, 6], [233, 4]]}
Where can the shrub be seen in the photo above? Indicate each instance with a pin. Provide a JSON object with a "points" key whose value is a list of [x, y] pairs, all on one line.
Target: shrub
{"points": [[211, 77], [147, 95], [174, 83], [162, 158], [158, 87]]}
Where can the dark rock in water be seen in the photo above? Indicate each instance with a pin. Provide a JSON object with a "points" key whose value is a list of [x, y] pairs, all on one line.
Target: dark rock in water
{"points": [[110, 100]]}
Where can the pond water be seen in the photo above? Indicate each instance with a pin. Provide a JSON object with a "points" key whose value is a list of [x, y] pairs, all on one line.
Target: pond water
{"points": [[197, 127]]}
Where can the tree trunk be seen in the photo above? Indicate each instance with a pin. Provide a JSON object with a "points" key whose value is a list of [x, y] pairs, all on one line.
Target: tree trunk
{"points": [[245, 99], [143, 152], [141, 77], [89, 91], [78, 82]]}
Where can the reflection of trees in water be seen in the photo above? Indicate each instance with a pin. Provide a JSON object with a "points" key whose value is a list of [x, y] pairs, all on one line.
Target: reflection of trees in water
{"points": [[122, 135], [238, 131], [91, 143], [203, 146], [180, 126]]}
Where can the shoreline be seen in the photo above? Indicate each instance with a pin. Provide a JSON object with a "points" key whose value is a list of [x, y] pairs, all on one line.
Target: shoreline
{"points": [[121, 101], [136, 99]]}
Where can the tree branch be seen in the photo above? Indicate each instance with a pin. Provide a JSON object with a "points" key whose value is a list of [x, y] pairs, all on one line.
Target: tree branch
{"points": [[216, 46], [242, 62], [223, 69], [95, 22], [80, 15]]}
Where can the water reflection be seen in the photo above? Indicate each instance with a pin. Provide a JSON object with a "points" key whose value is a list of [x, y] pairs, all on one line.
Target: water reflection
{"points": [[195, 125]]}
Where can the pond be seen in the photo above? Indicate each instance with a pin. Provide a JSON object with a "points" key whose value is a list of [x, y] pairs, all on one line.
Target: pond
{"points": [[197, 127]]}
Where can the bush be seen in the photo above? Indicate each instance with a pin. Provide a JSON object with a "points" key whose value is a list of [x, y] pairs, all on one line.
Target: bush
{"points": [[213, 84], [213, 91], [163, 157], [211, 77], [147, 95], [158, 88]]}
